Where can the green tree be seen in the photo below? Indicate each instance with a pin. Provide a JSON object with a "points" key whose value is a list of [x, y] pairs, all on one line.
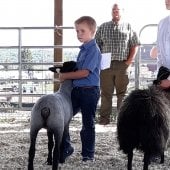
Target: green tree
{"points": [[26, 57]]}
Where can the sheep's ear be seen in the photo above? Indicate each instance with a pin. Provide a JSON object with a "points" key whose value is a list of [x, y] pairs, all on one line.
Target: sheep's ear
{"points": [[163, 73], [55, 69], [65, 67]]}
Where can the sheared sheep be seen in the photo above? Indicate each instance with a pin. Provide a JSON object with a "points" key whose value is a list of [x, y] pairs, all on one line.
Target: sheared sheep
{"points": [[53, 112], [143, 122]]}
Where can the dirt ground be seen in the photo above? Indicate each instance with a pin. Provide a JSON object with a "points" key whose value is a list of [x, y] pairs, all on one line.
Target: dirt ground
{"points": [[14, 145]]}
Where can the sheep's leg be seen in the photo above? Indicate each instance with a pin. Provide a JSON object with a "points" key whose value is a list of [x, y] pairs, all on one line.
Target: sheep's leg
{"points": [[62, 160], [50, 147], [63, 143], [162, 158], [146, 161], [33, 136], [130, 157], [56, 151]]}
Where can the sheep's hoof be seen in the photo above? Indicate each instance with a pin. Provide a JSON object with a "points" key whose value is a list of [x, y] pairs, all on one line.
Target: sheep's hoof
{"points": [[53, 69]]}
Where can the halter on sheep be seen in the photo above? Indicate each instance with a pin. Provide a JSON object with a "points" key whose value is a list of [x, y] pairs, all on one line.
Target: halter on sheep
{"points": [[143, 121], [53, 112]]}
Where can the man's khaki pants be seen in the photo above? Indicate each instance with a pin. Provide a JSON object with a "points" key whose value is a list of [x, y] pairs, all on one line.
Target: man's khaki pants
{"points": [[114, 78]]}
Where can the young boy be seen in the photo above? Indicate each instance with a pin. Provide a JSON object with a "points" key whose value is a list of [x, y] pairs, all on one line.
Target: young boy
{"points": [[86, 81]]}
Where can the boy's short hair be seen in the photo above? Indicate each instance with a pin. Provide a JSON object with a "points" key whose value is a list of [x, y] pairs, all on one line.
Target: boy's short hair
{"points": [[88, 20]]}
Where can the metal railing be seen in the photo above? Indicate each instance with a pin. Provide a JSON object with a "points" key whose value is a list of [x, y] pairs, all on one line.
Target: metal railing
{"points": [[139, 60], [24, 61]]}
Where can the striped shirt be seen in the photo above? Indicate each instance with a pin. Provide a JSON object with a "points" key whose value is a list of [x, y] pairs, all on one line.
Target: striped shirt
{"points": [[116, 39]]}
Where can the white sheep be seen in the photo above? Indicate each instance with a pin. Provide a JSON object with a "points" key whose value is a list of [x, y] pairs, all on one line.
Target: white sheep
{"points": [[53, 112]]}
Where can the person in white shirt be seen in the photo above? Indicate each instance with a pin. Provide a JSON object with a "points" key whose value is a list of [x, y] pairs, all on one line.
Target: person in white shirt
{"points": [[163, 45]]}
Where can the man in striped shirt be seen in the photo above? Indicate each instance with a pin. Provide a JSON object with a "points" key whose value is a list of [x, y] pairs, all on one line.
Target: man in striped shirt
{"points": [[119, 39]]}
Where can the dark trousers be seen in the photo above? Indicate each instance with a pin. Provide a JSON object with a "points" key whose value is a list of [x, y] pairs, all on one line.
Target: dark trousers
{"points": [[114, 78], [85, 99]]}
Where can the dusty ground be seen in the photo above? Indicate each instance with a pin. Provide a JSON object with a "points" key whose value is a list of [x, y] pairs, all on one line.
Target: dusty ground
{"points": [[14, 145]]}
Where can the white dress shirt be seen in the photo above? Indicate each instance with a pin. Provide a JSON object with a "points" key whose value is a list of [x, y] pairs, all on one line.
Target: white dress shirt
{"points": [[163, 42]]}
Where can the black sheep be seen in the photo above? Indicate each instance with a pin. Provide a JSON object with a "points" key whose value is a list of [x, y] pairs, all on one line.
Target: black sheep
{"points": [[143, 122], [53, 112]]}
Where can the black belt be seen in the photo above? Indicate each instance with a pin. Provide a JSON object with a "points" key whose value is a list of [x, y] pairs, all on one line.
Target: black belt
{"points": [[86, 87]]}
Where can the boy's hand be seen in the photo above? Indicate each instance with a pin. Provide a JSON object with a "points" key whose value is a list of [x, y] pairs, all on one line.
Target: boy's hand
{"points": [[61, 77]]}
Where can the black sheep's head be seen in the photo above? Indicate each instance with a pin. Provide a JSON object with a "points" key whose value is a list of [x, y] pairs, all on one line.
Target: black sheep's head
{"points": [[163, 74], [67, 66]]}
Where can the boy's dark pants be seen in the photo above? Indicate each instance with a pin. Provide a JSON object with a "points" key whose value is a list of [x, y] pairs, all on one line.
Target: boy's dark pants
{"points": [[85, 99]]}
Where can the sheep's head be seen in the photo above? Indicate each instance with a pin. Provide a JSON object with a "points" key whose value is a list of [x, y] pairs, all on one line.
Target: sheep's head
{"points": [[163, 73], [67, 66]]}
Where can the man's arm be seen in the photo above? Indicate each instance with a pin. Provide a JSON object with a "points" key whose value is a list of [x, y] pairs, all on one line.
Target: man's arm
{"points": [[133, 52]]}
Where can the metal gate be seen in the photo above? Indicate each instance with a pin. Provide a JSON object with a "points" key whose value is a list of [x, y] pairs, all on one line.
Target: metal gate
{"points": [[25, 58]]}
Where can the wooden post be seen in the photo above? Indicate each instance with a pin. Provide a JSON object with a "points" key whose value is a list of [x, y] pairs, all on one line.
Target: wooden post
{"points": [[58, 39]]}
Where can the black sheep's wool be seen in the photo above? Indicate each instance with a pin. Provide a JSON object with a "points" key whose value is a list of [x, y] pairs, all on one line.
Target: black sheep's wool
{"points": [[143, 121]]}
